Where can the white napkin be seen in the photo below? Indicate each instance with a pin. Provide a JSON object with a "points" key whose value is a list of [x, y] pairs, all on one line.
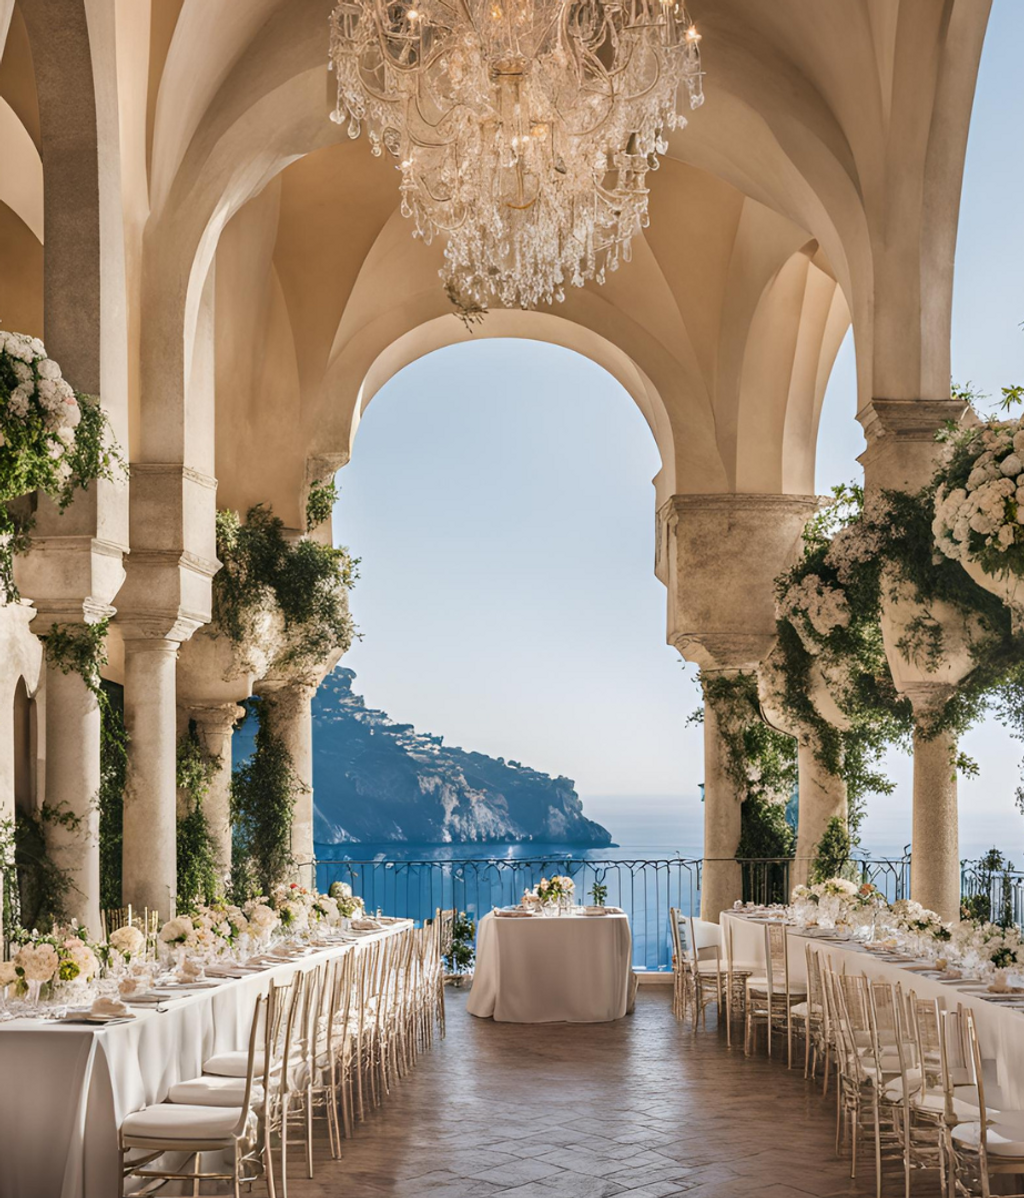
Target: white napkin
{"points": [[513, 914], [365, 925], [110, 1008]]}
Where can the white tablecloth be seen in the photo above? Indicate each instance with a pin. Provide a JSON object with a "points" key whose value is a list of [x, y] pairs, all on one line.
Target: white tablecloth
{"points": [[566, 969], [1000, 1028], [64, 1089]]}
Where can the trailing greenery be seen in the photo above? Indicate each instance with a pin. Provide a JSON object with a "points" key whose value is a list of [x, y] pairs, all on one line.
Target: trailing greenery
{"points": [[320, 502], [113, 777], [263, 794], [832, 858], [762, 765], [199, 880], [44, 886], [304, 581]]}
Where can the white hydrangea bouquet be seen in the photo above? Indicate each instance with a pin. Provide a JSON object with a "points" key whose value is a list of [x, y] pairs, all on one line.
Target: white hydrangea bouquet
{"points": [[350, 906], [979, 505]]}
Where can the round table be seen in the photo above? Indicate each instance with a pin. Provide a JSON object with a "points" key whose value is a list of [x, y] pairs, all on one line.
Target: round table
{"points": [[553, 969]]}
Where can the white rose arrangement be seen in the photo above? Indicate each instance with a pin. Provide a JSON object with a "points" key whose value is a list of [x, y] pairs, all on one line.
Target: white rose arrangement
{"points": [[262, 919], [128, 941]]}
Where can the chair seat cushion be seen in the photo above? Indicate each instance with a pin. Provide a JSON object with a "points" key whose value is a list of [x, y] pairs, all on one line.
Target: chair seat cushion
{"points": [[174, 1121], [1004, 1137], [232, 1064], [778, 985], [214, 1091]]}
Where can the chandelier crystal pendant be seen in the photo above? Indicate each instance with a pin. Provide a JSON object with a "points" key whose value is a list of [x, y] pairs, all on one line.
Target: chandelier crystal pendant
{"points": [[523, 129]]}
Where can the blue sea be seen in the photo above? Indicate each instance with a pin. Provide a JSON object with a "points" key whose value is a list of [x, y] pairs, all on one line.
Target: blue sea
{"points": [[647, 871]]}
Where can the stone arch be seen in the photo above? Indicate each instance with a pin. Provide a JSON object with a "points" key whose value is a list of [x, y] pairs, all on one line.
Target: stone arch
{"points": [[441, 331]]}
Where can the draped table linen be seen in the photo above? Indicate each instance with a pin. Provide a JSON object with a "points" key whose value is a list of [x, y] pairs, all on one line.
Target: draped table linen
{"points": [[565, 969], [67, 1087], [1000, 1028]]}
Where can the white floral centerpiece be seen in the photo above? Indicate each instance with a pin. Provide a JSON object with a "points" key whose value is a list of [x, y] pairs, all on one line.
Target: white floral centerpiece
{"points": [[350, 906], [128, 942], [556, 891], [988, 949]]}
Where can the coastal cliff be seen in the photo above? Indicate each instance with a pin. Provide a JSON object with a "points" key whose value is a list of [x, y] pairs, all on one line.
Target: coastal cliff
{"points": [[377, 781]]}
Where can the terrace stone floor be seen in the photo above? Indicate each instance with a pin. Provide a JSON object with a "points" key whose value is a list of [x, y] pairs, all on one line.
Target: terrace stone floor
{"points": [[640, 1107]]}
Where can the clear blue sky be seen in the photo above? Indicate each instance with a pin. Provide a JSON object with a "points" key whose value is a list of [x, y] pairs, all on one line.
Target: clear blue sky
{"points": [[500, 499]]}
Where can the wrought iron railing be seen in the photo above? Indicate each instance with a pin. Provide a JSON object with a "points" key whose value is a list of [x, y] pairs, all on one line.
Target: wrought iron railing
{"points": [[992, 893], [645, 888]]}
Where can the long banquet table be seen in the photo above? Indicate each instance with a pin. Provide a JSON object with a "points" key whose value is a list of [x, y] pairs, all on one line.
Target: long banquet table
{"points": [[569, 969], [65, 1088], [1000, 1027]]}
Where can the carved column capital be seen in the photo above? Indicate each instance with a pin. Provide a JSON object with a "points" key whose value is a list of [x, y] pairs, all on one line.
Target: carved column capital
{"points": [[901, 450], [719, 556]]}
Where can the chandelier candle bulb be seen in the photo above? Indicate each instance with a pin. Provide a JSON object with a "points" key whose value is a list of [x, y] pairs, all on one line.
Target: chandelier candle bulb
{"points": [[524, 133]]}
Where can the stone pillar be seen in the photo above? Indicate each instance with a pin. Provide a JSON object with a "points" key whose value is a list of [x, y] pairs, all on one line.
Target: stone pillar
{"points": [[721, 882], [935, 859], [215, 726], [822, 798], [72, 787], [150, 806], [719, 556], [291, 719]]}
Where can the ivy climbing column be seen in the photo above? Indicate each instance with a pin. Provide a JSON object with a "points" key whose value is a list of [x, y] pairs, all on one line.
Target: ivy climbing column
{"points": [[721, 883], [150, 805], [290, 719], [72, 787], [215, 725]]}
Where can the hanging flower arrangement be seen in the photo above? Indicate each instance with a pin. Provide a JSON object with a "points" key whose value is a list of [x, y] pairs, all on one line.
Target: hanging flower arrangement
{"points": [[979, 504], [52, 439]]}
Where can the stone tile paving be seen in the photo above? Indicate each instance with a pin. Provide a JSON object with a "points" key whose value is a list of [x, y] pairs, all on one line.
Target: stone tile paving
{"points": [[641, 1108]]}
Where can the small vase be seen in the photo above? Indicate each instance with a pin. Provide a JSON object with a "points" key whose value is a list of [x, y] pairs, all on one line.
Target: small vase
{"points": [[35, 990]]}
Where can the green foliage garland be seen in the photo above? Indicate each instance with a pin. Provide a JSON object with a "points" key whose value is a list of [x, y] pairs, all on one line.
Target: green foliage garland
{"points": [[263, 794], [305, 581], [199, 878]]}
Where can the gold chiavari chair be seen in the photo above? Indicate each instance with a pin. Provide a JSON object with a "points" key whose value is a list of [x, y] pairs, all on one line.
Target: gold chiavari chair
{"points": [[196, 1130], [813, 1016], [769, 998], [992, 1145], [680, 967], [736, 983]]}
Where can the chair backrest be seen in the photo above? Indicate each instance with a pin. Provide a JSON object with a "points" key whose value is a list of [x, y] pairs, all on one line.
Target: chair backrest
{"points": [[776, 955], [853, 1007], [444, 926], [971, 1029], [259, 1024]]}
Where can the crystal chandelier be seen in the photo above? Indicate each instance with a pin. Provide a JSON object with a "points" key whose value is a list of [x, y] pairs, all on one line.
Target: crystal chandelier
{"points": [[523, 129]]}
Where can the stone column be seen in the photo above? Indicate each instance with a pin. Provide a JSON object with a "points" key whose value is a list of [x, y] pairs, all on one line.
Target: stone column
{"points": [[291, 719], [822, 798], [150, 806], [935, 860], [719, 555], [72, 787], [215, 726], [721, 882]]}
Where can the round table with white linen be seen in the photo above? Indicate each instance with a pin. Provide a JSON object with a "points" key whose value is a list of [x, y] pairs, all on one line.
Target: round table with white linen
{"points": [[67, 1087], [553, 969]]}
